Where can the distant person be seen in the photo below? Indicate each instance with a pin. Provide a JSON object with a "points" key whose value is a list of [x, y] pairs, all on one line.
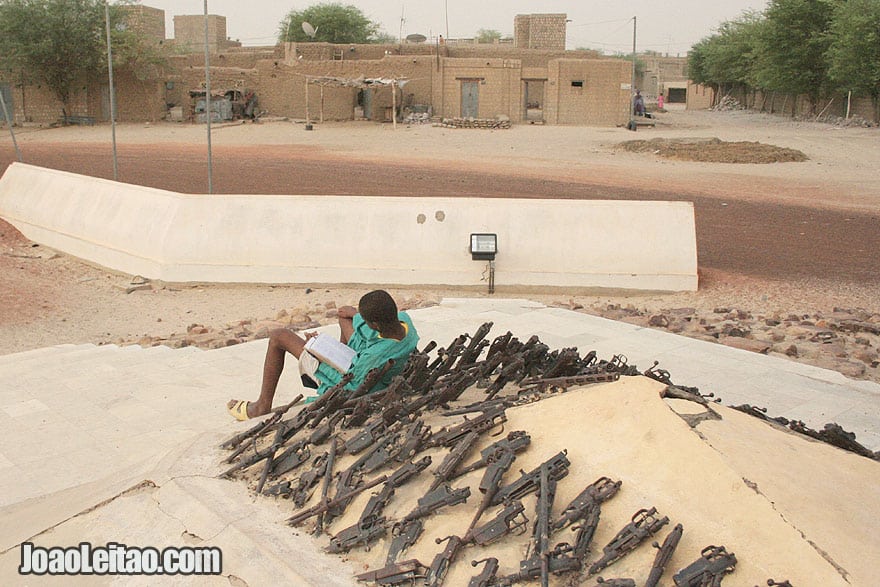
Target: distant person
{"points": [[660, 101], [376, 330], [638, 104]]}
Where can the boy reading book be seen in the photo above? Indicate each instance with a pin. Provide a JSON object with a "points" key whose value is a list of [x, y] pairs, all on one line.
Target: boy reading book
{"points": [[375, 331]]}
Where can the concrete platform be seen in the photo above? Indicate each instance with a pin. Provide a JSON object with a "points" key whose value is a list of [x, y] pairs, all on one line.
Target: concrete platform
{"points": [[84, 424]]}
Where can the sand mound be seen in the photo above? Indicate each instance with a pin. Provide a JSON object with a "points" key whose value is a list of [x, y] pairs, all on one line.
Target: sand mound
{"points": [[714, 150], [788, 507], [773, 498]]}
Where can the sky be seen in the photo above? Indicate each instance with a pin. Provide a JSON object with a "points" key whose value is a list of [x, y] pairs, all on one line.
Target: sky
{"points": [[669, 27]]}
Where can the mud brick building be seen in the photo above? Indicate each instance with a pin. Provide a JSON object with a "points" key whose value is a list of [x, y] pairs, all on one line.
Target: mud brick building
{"points": [[539, 31], [534, 80]]}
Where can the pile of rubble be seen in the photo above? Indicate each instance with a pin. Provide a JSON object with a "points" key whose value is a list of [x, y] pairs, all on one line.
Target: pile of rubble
{"points": [[726, 104], [844, 340], [250, 329], [501, 122], [418, 118], [345, 436], [851, 122]]}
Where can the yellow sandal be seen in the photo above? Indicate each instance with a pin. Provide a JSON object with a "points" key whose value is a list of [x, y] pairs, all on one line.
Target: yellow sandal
{"points": [[239, 410]]}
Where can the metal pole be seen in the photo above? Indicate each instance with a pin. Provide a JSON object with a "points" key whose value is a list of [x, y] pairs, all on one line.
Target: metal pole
{"points": [[446, 3], [208, 102], [393, 106], [9, 124], [632, 89], [112, 91]]}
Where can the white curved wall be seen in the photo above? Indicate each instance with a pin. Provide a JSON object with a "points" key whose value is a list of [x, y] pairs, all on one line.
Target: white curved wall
{"points": [[352, 239]]}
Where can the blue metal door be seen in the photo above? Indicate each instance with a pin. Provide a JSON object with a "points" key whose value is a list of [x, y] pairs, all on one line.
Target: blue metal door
{"points": [[470, 98]]}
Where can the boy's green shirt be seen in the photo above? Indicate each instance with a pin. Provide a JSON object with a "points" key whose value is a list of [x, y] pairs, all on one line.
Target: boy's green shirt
{"points": [[372, 351]]}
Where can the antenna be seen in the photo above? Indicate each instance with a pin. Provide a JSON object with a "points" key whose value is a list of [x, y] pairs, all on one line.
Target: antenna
{"points": [[309, 30], [402, 20]]}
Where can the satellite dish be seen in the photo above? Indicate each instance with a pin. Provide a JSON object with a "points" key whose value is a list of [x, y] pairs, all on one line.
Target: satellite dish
{"points": [[309, 30], [416, 38]]}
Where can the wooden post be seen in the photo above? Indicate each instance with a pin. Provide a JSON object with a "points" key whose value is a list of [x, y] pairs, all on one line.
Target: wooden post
{"points": [[307, 101], [393, 106], [322, 103]]}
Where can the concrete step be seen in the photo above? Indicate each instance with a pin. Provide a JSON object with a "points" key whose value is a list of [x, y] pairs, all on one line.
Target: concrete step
{"points": [[13, 358]]}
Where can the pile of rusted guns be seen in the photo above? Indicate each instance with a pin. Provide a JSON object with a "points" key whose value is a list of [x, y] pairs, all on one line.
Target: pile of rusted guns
{"points": [[384, 433]]}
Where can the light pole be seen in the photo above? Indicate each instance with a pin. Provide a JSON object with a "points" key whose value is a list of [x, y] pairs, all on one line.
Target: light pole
{"points": [[632, 89], [112, 90], [208, 102]]}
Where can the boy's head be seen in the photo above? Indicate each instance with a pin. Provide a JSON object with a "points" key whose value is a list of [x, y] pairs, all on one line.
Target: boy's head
{"points": [[378, 308]]}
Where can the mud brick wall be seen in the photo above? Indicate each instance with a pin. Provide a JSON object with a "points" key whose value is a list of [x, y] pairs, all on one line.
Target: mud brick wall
{"points": [[281, 88], [189, 32], [699, 97], [539, 31], [149, 22], [500, 88], [529, 58], [354, 52], [601, 99]]}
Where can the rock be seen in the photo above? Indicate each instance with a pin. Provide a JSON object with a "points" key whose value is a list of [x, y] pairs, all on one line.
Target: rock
{"points": [[824, 336], [142, 287], [721, 310], [196, 329], [736, 331], [792, 351], [281, 314], [865, 356], [658, 321], [330, 305], [850, 369], [746, 344]]}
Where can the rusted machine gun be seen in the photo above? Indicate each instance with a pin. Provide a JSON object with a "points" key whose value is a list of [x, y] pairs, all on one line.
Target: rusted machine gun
{"points": [[664, 553], [405, 573], [644, 523], [482, 423], [528, 483], [708, 570], [371, 524], [597, 492], [545, 384]]}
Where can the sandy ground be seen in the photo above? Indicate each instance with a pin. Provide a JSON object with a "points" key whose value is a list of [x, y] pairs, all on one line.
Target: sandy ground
{"points": [[46, 298]]}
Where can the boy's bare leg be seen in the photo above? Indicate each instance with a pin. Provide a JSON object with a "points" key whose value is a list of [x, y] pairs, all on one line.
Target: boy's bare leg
{"points": [[281, 341]]}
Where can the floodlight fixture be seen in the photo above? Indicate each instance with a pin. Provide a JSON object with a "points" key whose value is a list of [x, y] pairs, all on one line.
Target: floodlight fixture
{"points": [[484, 247]]}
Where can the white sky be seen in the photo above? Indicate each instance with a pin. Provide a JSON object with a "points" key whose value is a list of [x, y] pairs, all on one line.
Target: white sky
{"points": [[671, 27]]}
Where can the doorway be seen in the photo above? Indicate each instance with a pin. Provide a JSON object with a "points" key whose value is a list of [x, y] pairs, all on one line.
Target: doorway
{"points": [[470, 98]]}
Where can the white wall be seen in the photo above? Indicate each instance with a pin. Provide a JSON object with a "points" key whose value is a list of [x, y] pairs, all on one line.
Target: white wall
{"points": [[352, 239]]}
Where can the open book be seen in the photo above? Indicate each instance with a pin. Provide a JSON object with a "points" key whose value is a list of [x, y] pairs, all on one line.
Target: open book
{"points": [[329, 350]]}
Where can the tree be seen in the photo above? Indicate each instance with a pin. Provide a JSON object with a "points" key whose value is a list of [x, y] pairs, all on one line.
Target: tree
{"points": [[62, 43], [488, 36], [726, 59], [791, 48], [854, 50], [332, 22]]}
